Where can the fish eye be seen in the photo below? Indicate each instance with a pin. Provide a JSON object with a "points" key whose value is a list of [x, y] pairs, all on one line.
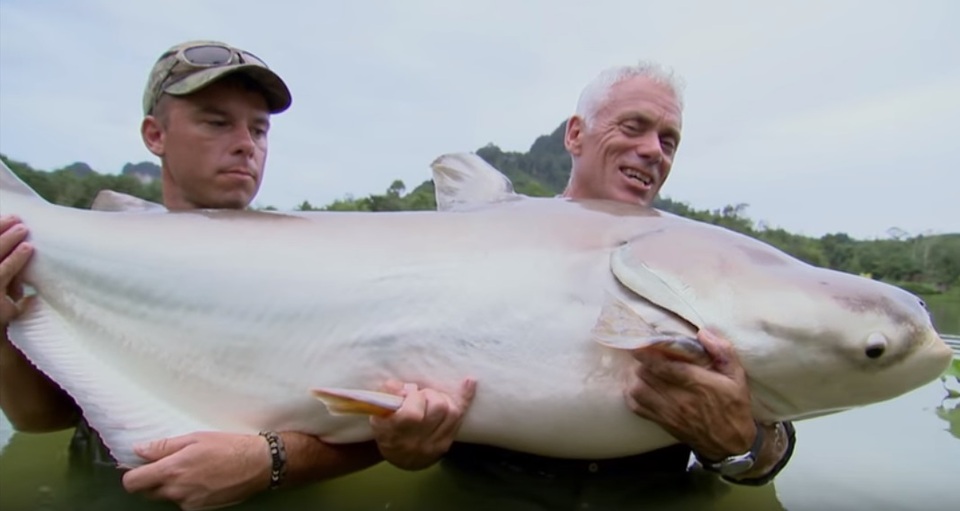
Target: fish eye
{"points": [[875, 352], [876, 345]]}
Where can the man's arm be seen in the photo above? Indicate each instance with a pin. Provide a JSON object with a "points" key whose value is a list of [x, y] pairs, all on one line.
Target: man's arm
{"points": [[205, 469], [31, 401], [212, 469], [28, 398], [707, 408]]}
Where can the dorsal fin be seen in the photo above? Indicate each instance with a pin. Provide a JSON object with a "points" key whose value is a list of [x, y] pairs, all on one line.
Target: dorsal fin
{"points": [[464, 180], [109, 200]]}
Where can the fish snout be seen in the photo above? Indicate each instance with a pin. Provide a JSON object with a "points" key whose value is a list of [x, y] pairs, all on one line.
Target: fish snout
{"points": [[941, 353], [933, 356]]}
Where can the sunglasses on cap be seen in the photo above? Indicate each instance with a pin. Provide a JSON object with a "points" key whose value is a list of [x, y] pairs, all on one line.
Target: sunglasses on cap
{"points": [[213, 55], [203, 56]]}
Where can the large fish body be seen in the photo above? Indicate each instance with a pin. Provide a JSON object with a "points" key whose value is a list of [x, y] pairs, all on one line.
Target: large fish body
{"points": [[160, 324]]}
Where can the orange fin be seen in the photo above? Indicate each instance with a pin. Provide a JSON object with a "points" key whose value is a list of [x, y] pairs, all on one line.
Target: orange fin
{"points": [[357, 402]]}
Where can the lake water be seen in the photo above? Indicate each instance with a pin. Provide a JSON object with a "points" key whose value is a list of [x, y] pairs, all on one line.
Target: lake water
{"points": [[903, 454]]}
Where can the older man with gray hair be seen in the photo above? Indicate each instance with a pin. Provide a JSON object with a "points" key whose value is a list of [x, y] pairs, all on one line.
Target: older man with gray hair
{"points": [[622, 141]]}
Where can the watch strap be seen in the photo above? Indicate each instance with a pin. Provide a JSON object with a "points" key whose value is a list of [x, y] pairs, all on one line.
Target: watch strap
{"points": [[752, 454], [769, 476]]}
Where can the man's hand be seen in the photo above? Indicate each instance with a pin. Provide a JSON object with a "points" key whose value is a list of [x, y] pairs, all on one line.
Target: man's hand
{"points": [[707, 408], [14, 254], [419, 433], [202, 470]]}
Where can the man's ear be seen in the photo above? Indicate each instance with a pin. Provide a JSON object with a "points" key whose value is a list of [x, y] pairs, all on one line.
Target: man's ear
{"points": [[153, 135], [572, 137]]}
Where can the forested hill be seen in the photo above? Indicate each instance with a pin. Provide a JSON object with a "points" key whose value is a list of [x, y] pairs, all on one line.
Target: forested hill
{"points": [[923, 264], [77, 184]]}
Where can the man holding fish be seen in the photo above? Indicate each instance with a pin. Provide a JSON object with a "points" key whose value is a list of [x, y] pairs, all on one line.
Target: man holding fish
{"points": [[622, 141], [206, 116], [207, 110]]}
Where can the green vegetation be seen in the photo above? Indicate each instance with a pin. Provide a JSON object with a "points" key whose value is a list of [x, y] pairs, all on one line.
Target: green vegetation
{"points": [[945, 309], [925, 265], [77, 185], [951, 415], [954, 369]]}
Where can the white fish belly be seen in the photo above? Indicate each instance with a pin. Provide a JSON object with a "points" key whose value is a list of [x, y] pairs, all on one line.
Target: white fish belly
{"points": [[227, 326]]}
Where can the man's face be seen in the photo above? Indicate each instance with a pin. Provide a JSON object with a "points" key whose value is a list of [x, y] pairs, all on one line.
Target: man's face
{"points": [[214, 146], [627, 151]]}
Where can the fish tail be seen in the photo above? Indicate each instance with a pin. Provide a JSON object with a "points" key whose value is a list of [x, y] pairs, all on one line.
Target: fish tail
{"points": [[10, 184]]}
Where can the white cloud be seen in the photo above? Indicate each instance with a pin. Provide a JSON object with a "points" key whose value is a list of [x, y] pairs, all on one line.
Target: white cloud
{"points": [[824, 116]]}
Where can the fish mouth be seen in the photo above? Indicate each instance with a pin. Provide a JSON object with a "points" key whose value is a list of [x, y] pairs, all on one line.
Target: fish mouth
{"points": [[642, 177], [940, 354]]}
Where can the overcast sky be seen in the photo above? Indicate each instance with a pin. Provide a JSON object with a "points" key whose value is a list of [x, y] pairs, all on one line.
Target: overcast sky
{"points": [[832, 116]]}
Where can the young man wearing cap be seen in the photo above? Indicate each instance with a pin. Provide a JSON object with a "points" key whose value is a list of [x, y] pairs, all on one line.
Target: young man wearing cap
{"points": [[207, 110]]}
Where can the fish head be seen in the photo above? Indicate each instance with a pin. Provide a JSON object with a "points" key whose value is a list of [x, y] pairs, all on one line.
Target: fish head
{"points": [[811, 340], [846, 341]]}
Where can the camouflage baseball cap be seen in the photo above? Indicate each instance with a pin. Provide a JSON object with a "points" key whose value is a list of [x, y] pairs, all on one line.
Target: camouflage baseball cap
{"points": [[190, 66]]}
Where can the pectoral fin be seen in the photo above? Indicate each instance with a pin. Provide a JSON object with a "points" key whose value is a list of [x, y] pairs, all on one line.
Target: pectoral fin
{"points": [[619, 327], [655, 282], [357, 402]]}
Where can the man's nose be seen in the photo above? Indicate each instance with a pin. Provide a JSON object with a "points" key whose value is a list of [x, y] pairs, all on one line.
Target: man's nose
{"points": [[649, 148], [244, 141]]}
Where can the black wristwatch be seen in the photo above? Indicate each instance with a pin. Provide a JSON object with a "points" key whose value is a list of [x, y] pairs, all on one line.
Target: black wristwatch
{"points": [[737, 464]]}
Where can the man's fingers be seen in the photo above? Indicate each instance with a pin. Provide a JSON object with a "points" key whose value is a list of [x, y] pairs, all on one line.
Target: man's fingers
{"points": [[14, 254], [639, 396], [468, 390], [11, 289], [144, 478], [413, 407], [725, 359], [10, 237], [392, 386], [6, 221], [409, 414], [655, 366], [447, 430], [13, 263], [442, 408], [148, 478], [153, 451]]}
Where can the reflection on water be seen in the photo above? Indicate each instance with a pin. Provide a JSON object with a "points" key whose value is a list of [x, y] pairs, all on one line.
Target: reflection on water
{"points": [[902, 454], [6, 432], [951, 414]]}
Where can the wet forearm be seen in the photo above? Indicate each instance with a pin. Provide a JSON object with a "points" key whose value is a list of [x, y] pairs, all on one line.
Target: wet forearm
{"points": [[31, 401], [310, 460]]}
